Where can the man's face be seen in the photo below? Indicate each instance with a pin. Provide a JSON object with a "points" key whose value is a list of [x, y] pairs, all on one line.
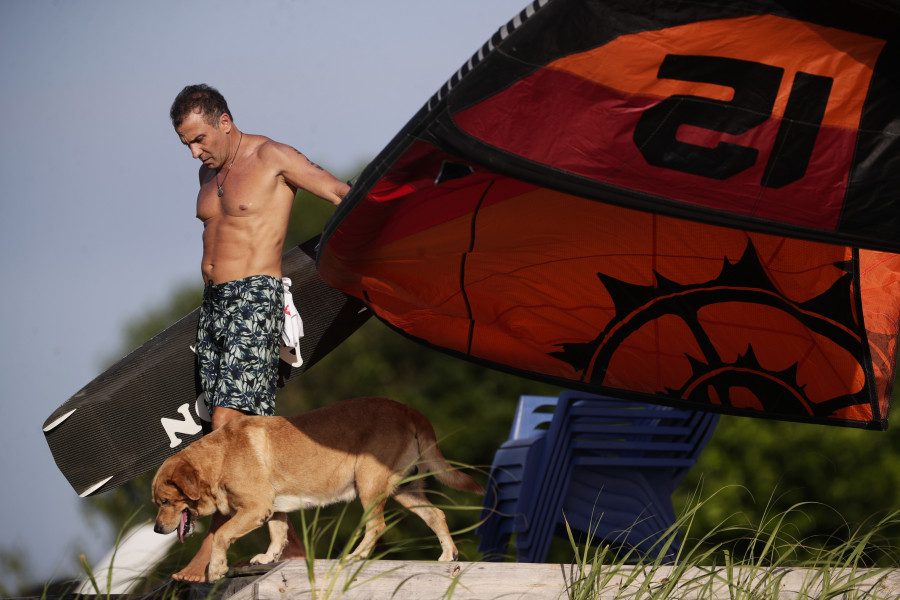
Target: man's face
{"points": [[207, 142]]}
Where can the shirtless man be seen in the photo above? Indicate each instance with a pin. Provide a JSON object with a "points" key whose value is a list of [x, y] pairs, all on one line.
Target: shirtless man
{"points": [[247, 188]]}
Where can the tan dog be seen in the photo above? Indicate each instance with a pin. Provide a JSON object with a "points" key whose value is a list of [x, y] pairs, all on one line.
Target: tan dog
{"points": [[257, 469]]}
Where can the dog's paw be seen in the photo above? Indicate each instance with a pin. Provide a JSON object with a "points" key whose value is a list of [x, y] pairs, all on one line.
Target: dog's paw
{"points": [[359, 554], [263, 559], [216, 572], [449, 555]]}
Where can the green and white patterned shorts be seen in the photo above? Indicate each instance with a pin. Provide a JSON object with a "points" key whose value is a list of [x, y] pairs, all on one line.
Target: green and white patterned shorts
{"points": [[238, 339]]}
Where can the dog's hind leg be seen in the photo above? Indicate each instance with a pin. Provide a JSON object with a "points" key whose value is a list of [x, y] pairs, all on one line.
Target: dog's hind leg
{"points": [[412, 497], [373, 497], [374, 527], [278, 531]]}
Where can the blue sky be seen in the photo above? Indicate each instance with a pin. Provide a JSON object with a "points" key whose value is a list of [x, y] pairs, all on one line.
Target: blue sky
{"points": [[98, 194]]}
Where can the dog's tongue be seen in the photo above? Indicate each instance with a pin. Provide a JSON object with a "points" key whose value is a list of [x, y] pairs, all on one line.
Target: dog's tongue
{"points": [[181, 525]]}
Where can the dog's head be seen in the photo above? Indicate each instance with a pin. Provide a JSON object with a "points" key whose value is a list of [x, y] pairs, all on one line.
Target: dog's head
{"points": [[181, 496]]}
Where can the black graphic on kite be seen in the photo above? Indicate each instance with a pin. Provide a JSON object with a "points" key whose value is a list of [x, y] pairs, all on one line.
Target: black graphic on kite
{"points": [[712, 377]]}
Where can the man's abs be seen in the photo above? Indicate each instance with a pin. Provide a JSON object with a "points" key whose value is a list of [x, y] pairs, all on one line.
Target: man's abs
{"points": [[237, 250]]}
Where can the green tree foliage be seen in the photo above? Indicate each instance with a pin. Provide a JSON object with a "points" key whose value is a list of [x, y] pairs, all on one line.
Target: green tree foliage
{"points": [[753, 466], [756, 467]]}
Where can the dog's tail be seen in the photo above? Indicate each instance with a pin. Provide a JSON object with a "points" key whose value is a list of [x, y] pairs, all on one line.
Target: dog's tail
{"points": [[433, 461]]}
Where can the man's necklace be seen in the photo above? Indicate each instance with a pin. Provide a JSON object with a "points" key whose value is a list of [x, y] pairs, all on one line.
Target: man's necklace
{"points": [[219, 185]]}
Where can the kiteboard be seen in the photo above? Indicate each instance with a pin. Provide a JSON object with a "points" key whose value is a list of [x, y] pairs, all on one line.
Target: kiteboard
{"points": [[149, 405]]}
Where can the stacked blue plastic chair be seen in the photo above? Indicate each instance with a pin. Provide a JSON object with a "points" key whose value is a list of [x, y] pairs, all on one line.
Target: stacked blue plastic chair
{"points": [[608, 470], [520, 452], [606, 467]]}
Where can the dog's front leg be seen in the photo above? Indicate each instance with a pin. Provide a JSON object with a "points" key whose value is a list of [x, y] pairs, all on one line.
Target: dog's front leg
{"points": [[278, 529], [240, 524]]}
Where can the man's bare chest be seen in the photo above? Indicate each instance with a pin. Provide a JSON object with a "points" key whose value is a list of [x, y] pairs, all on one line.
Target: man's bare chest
{"points": [[239, 195]]}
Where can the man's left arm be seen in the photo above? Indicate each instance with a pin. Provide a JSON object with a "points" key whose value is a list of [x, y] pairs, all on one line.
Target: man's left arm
{"points": [[300, 172]]}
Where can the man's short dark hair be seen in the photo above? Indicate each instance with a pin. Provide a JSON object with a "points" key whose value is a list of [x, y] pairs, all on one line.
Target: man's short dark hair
{"points": [[200, 98]]}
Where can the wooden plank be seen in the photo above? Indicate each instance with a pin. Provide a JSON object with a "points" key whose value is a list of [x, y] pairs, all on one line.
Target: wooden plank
{"points": [[413, 580]]}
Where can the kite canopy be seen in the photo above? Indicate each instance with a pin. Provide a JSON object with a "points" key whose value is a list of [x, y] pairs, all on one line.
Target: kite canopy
{"points": [[691, 203]]}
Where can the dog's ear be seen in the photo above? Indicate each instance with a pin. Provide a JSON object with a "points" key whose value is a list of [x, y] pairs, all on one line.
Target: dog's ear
{"points": [[187, 479]]}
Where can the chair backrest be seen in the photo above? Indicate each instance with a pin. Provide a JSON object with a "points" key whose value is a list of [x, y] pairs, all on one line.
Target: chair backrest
{"points": [[533, 416], [609, 431], [703, 431]]}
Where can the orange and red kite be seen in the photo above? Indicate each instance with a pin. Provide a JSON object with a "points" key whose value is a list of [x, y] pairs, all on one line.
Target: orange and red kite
{"points": [[692, 203]]}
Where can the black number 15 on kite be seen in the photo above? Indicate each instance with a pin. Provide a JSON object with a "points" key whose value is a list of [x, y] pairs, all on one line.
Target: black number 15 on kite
{"points": [[755, 88]]}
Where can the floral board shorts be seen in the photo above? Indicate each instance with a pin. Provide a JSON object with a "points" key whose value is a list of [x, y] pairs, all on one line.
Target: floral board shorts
{"points": [[238, 339]]}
